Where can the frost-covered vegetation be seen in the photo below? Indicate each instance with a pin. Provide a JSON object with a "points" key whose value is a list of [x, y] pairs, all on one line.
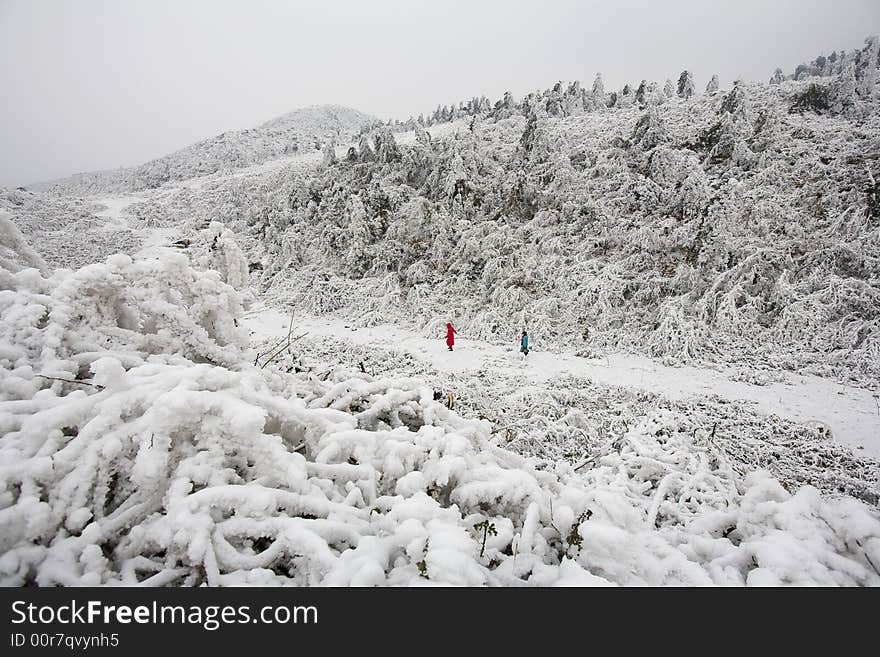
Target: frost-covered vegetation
{"points": [[140, 445], [66, 230], [730, 226], [146, 441], [576, 419], [737, 225], [299, 131]]}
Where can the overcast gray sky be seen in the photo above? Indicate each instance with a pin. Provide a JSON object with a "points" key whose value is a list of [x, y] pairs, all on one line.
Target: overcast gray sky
{"points": [[97, 84]]}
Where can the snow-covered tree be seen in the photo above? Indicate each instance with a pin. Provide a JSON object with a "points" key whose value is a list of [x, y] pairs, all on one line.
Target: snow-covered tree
{"points": [[365, 149], [642, 93], [386, 146], [649, 131], [866, 67], [712, 85], [685, 85], [505, 107], [842, 96], [328, 153], [598, 88]]}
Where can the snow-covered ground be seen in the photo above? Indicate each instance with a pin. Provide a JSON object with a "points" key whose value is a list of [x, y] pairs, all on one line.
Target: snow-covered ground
{"points": [[113, 210], [164, 421], [145, 443], [851, 415], [116, 220]]}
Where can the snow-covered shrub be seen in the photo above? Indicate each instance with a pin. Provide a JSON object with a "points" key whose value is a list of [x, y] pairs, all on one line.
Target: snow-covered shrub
{"points": [[191, 474], [537, 209], [15, 252], [140, 446], [136, 309], [225, 256]]}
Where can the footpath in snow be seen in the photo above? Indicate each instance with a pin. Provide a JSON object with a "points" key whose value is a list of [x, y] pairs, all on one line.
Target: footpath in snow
{"points": [[851, 414]]}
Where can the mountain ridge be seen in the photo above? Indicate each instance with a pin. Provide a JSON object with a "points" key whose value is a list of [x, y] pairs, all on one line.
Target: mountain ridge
{"points": [[289, 133]]}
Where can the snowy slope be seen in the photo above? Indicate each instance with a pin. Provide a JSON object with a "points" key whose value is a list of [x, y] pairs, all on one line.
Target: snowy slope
{"points": [[723, 228], [733, 228], [300, 131], [685, 264], [850, 415], [142, 446]]}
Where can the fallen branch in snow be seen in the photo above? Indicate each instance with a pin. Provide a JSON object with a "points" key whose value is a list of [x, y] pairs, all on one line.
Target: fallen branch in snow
{"points": [[868, 557], [85, 383], [585, 462], [286, 345], [281, 350], [277, 344]]}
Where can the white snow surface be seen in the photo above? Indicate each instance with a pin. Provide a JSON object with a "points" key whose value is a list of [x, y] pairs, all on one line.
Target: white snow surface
{"points": [[141, 445], [851, 415], [299, 131], [157, 428]]}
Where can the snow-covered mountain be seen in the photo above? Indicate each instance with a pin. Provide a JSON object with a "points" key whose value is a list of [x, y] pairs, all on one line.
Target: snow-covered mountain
{"points": [[736, 225], [255, 390], [299, 131]]}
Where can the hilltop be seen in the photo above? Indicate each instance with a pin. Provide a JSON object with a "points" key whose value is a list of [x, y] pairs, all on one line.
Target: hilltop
{"points": [[299, 131]]}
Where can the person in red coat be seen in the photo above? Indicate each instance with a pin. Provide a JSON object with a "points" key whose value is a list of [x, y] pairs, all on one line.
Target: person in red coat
{"points": [[450, 335]]}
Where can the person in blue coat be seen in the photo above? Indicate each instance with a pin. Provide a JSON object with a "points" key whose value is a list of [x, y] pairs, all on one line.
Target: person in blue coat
{"points": [[524, 344]]}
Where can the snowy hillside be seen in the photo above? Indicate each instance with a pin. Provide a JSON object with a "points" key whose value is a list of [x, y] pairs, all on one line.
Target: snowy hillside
{"points": [[143, 445], [722, 227], [299, 131], [227, 367], [734, 226]]}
